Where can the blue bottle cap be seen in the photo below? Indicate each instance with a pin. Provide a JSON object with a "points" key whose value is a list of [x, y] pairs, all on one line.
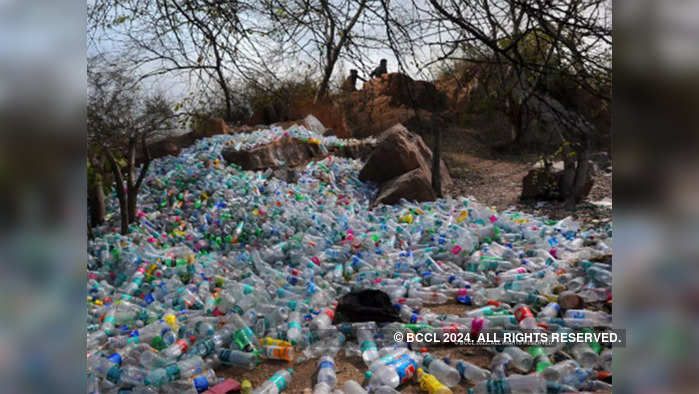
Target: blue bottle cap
{"points": [[149, 298], [464, 299], [200, 383], [115, 358]]}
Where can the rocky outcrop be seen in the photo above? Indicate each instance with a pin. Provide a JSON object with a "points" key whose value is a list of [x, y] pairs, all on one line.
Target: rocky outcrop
{"points": [[310, 122], [285, 151], [398, 151], [401, 164], [414, 185], [326, 112], [393, 98], [360, 150], [211, 127]]}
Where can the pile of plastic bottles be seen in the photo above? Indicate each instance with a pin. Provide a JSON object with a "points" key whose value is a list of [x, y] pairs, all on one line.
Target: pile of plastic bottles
{"points": [[227, 267]]}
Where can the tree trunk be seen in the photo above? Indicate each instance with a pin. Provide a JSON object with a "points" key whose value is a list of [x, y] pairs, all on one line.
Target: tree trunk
{"points": [[132, 203], [98, 208], [95, 191], [121, 194], [581, 174], [229, 105], [323, 89], [570, 168], [224, 85], [436, 162], [130, 181]]}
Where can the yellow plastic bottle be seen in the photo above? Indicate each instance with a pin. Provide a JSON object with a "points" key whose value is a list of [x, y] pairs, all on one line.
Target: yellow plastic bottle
{"points": [[246, 387], [266, 341], [430, 384]]}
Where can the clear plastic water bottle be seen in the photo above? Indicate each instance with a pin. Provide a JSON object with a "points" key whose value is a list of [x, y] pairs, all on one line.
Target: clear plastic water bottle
{"points": [[579, 377], [322, 321], [520, 358], [606, 359], [444, 373], [395, 373], [293, 334], [596, 316], [195, 384], [550, 310], [557, 371], [326, 372], [584, 354], [218, 340], [472, 372], [365, 338], [515, 384], [177, 349], [238, 358], [352, 387], [499, 364], [277, 383]]}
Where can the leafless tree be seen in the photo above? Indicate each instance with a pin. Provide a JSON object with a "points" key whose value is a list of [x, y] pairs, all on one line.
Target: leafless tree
{"points": [[210, 42], [528, 43], [322, 30], [119, 117]]}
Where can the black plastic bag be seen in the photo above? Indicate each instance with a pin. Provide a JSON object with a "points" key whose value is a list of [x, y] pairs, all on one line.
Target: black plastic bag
{"points": [[365, 305]]}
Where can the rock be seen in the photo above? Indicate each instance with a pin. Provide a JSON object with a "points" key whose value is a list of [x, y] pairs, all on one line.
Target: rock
{"points": [[359, 150], [211, 127], [545, 184], [312, 123], [550, 123], [164, 148], [393, 98], [285, 151], [242, 129], [287, 175], [399, 151], [414, 185], [569, 300], [294, 110]]}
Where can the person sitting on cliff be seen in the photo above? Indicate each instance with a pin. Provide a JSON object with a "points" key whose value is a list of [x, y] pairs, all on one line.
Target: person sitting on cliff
{"points": [[351, 81], [380, 70]]}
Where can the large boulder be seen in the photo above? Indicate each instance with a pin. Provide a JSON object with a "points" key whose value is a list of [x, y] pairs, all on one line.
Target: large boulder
{"points": [[414, 185], [360, 150], [393, 98], [399, 151], [289, 110], [309, 122], [285, 151], [210, 127]]}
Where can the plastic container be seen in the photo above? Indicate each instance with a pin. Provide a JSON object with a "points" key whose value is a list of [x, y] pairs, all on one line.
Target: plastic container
{"points": [[277, 383], [443, 372]]}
